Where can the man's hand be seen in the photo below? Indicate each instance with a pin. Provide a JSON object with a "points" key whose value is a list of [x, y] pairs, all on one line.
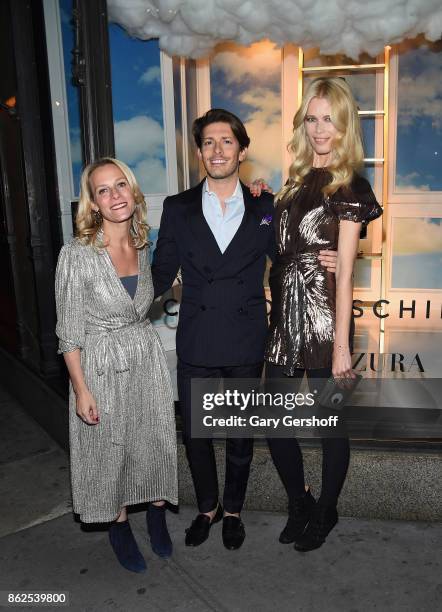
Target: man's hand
{"points": [[258, 186], [328, 260]]}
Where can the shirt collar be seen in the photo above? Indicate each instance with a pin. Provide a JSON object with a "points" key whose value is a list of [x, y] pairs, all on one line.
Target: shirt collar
{"points": [[235, 195]]}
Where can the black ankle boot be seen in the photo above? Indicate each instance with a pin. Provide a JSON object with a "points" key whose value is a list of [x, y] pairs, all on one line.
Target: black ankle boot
{"points": [[300, 509], [322, 521], [125, 547], [157, 529]]}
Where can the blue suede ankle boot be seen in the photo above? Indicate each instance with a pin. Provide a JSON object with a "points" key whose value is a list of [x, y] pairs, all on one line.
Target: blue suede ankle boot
{"points": [[157, 529], [125, 547]]}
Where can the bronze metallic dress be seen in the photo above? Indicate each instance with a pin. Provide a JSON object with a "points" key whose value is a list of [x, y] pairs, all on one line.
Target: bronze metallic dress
{"points": [[302, 321]]}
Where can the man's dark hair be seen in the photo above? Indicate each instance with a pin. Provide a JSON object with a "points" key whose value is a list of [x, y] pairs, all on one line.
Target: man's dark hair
{"points": [[214, 115]]}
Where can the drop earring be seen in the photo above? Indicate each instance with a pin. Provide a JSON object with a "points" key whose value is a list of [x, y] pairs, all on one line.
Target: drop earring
{"points": [[97, 217]]}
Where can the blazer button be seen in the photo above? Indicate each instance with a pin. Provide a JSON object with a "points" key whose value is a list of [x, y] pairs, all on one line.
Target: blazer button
{"points": [[210, 281], [240, 282], [240, 310], [203, 307]]}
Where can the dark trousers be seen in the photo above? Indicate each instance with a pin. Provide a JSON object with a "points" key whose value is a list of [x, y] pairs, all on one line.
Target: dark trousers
{"points": [[287, 456], [200, 452]]}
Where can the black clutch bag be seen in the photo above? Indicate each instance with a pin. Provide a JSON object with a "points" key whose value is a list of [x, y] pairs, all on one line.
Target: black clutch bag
{"points": [[336, 393]]}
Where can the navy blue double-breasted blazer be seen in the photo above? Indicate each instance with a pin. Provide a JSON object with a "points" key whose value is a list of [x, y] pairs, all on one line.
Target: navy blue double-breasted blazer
{"points": [[222, 320]]}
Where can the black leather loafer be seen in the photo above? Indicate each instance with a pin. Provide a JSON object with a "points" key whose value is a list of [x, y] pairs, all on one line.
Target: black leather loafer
{"points": [[199, 530], [233, 532]]}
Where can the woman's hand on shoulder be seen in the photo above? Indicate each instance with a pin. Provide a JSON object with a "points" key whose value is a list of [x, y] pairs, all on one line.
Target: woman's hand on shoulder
{"points": [[341, 363], [258, 186], [87, 407]]}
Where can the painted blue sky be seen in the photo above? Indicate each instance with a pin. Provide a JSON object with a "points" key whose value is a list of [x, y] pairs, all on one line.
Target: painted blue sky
{"points": [[419, 136], [138, 108], [421, 271], [362, 273], [130, 60], [417, 253], [136, 100], [153, 237], [247, 82]]}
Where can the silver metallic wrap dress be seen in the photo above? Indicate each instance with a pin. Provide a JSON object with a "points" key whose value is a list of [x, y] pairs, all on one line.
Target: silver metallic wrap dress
{"points": [[302, 320], [129, 457]]}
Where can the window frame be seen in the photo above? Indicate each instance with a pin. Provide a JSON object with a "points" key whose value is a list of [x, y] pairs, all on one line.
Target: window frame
{"points": [[63, 159]]}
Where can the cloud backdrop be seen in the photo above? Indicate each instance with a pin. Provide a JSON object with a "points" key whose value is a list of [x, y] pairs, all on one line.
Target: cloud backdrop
{"points": [[194, 27]]}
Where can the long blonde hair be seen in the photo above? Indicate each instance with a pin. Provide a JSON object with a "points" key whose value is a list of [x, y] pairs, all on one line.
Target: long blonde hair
{"points": [[348, 153], [88, 224]]}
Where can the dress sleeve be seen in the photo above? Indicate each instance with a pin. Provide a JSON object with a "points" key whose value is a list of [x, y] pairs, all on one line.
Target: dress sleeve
{"points": [[355, 203], [69, 299]]}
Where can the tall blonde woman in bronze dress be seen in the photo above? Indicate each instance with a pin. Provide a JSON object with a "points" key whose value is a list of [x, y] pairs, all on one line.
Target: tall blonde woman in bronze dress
{"points": [[122, 425], [322, 206]]}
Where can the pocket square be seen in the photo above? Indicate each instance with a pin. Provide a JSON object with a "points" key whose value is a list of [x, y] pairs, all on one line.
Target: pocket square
{"points": [[266, 220]]}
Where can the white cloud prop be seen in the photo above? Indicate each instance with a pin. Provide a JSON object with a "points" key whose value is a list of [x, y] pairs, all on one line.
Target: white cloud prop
{"points": [[193, 27]]}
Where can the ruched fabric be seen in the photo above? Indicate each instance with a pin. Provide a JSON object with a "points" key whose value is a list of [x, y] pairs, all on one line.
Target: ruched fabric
{"points": [[302, 320]]}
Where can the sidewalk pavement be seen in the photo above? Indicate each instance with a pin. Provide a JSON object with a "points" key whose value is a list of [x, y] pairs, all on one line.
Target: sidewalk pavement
{"points": [[365, 565]]}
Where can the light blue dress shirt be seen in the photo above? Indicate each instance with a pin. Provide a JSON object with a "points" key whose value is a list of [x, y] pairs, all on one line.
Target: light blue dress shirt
{"points": [[223, 226]]}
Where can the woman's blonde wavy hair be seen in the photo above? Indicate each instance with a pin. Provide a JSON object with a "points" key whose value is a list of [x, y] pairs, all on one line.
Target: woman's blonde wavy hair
{"points": [[88, 224], [348, 153]]}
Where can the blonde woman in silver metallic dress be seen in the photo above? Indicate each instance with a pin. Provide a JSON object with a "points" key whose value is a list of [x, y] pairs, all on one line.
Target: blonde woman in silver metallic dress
{"points": [[322, 206], [122, 425]]}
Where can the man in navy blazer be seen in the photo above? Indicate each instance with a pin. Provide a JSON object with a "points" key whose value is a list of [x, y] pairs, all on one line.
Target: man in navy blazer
{"points": [[219, 235]]}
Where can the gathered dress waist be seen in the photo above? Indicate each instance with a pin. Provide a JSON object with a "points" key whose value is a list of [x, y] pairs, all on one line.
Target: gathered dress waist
{"points": [[110, 350]]}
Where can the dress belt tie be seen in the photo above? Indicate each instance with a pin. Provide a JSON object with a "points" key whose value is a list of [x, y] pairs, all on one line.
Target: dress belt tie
{"points": [[110, 356]]}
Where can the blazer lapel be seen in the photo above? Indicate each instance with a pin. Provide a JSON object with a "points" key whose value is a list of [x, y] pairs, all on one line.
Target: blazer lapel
{"points": [[248, 223], [202, 234]]}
